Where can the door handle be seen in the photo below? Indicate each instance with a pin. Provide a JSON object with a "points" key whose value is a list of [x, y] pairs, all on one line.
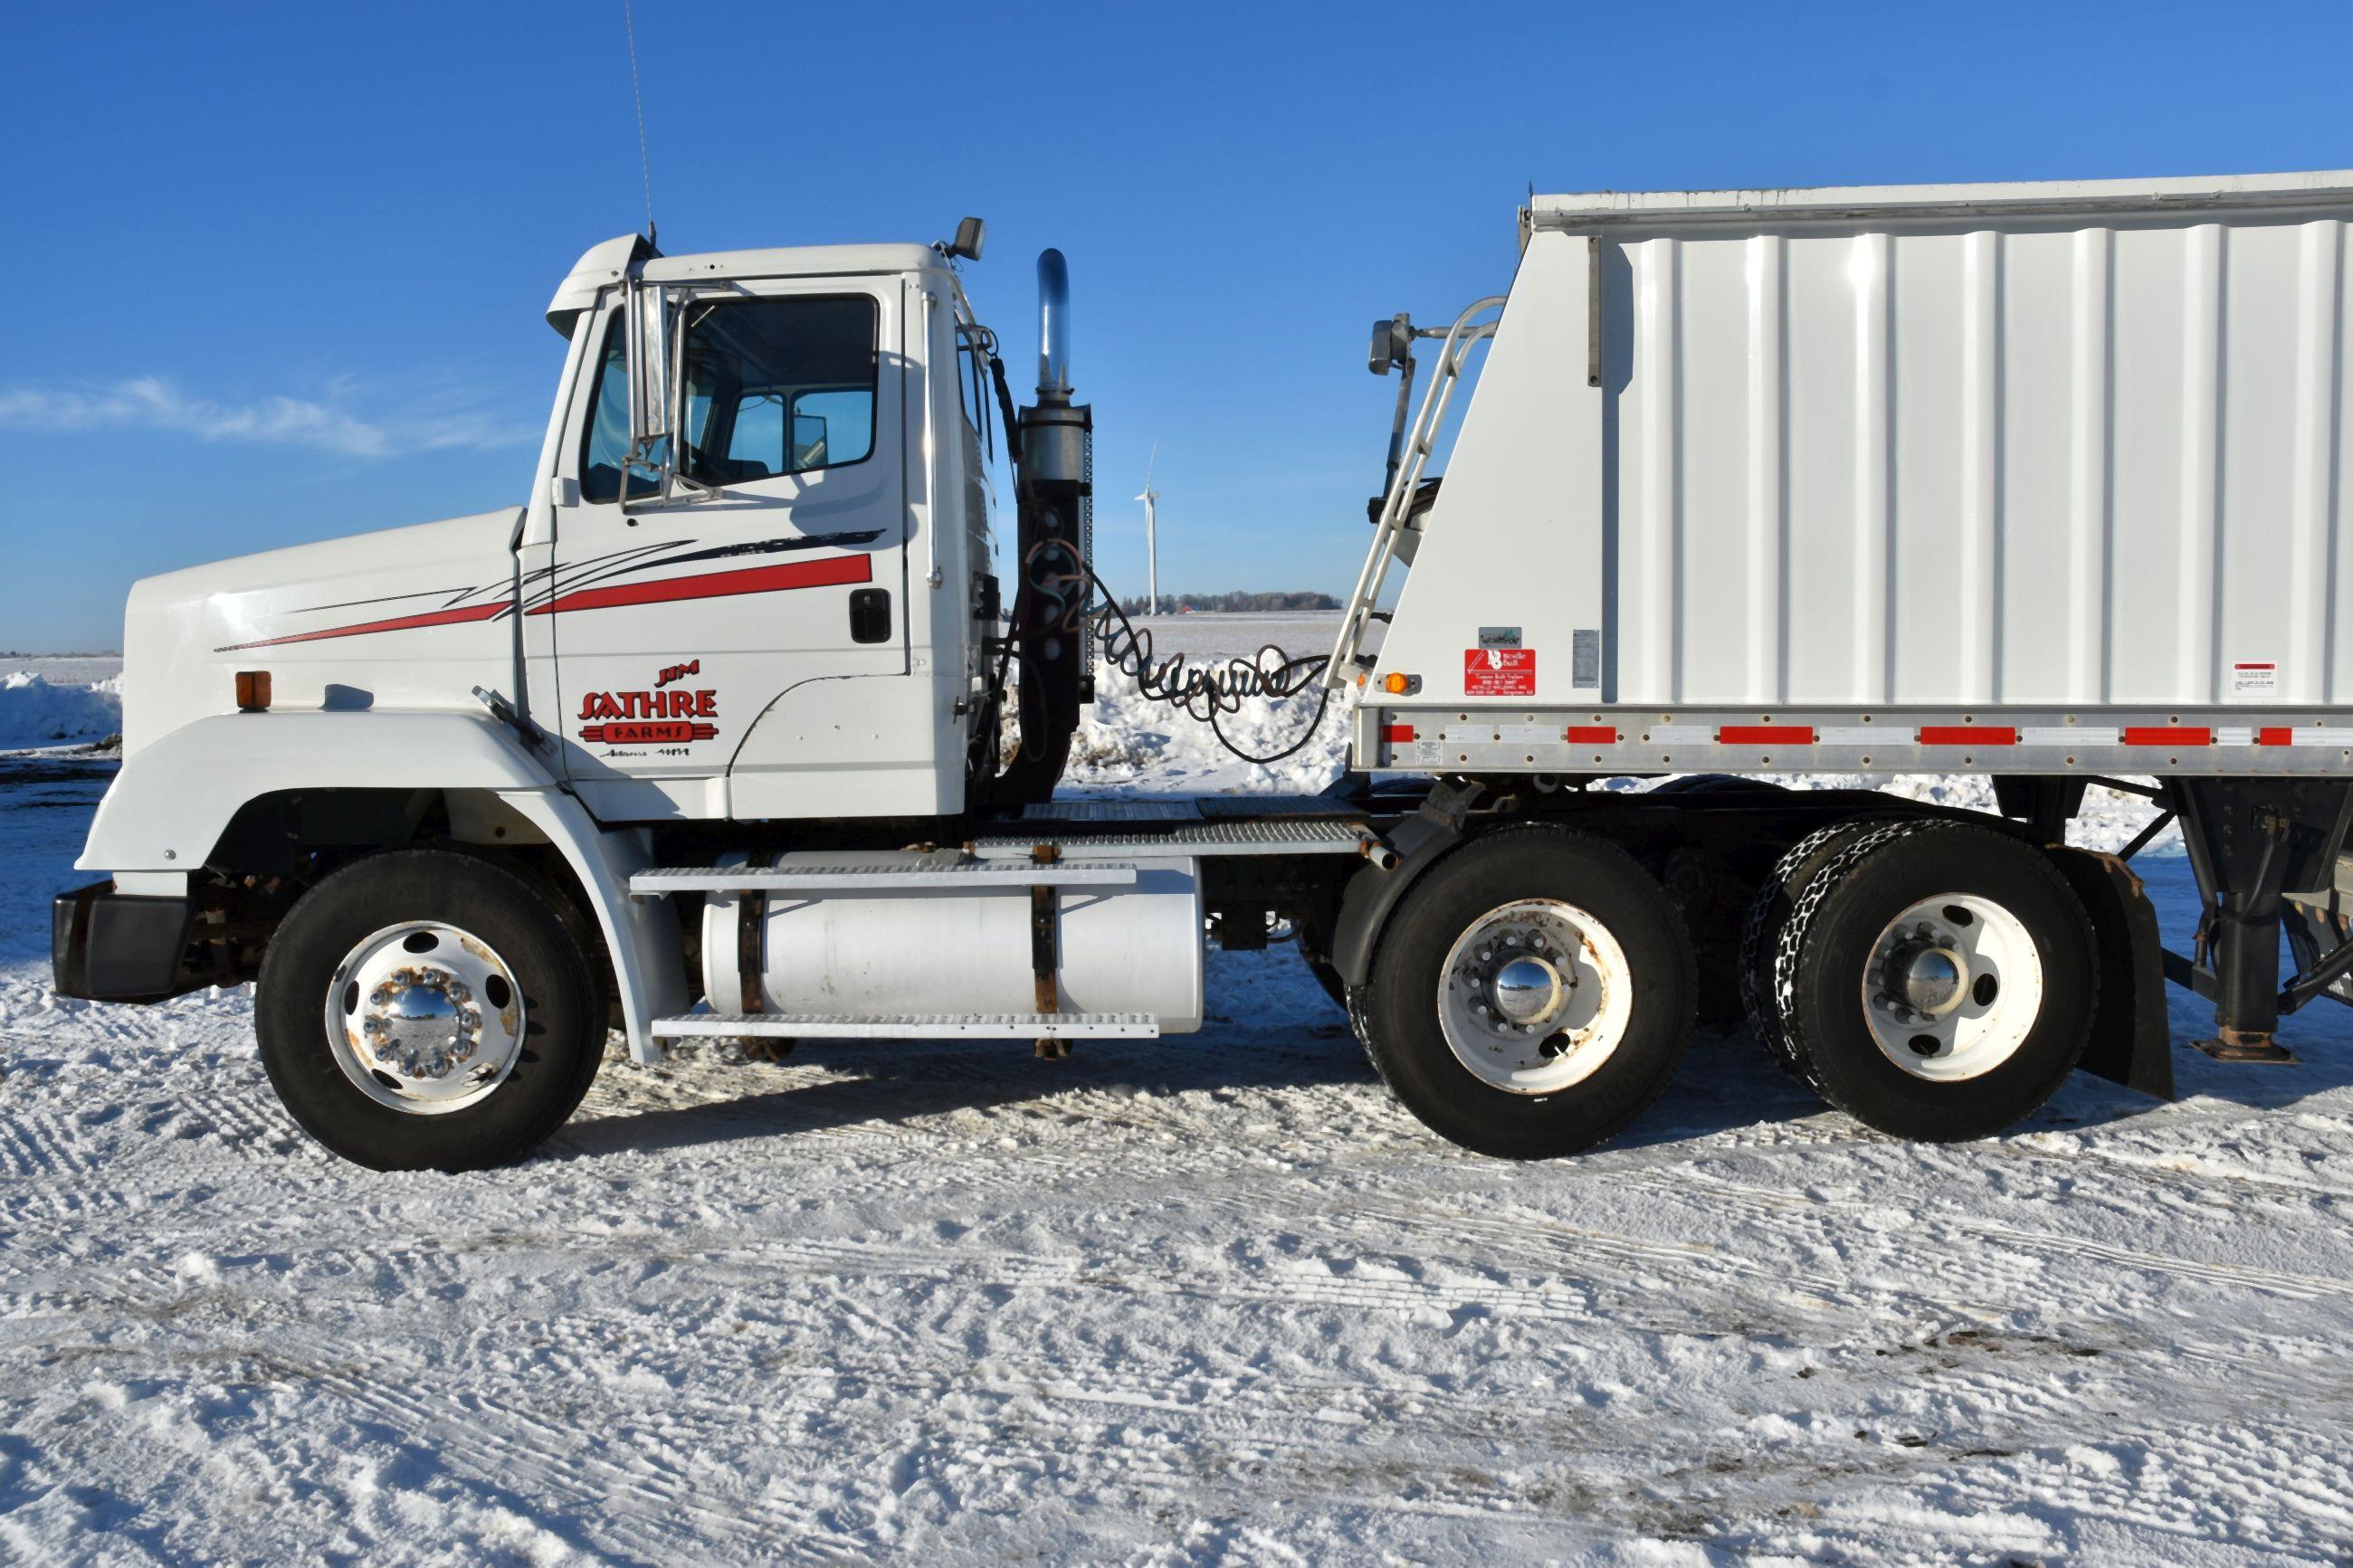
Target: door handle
{"points": [[870, 615]]}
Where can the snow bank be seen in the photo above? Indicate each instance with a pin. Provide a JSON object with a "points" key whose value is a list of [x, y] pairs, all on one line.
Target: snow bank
{"points": [[35, 713], [1126, 741]]}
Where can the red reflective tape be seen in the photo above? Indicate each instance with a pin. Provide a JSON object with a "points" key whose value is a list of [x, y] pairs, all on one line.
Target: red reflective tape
{"points": [[2273, 736], [831, 571], [2168, 735], [1592, 735], [1967, 735], [1396, 734], [1765, 735], [397, 624]]}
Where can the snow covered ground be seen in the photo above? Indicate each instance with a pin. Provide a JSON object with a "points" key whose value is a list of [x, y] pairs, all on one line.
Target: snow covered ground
{"points": [[1214, 1299]]}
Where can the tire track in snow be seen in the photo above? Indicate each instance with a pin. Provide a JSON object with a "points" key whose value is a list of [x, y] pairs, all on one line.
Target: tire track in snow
{"points": [[1763, 1201], [497, 1443]]}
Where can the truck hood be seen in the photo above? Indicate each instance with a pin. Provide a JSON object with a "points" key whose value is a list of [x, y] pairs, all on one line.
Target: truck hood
{"points": [[411, 616]]}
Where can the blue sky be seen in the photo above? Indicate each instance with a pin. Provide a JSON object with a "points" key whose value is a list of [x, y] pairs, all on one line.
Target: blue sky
{"points": [[279, 270]]}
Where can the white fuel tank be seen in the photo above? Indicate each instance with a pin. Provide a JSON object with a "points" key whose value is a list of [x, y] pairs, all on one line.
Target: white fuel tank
{"points": [[1132, 948]]}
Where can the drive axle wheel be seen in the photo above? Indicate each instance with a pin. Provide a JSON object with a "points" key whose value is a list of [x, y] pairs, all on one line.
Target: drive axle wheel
{"points": [[1941, 985], [1532, 996], [424, 1009]]}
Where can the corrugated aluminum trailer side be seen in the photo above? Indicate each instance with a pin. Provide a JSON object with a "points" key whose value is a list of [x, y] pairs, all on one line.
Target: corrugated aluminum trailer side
{"points": [[2039, 481], [1956, 451]]}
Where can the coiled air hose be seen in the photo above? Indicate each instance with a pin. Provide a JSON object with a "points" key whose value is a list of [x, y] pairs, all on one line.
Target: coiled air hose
{"points": [[1204, 691], [1053, 574]]}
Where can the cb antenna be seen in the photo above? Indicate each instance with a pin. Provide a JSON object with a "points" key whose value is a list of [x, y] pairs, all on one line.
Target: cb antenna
{"points": [[645, 165]]}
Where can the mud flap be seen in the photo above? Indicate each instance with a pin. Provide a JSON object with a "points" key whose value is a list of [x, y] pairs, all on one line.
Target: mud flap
{"points": [[2131, 1044]]}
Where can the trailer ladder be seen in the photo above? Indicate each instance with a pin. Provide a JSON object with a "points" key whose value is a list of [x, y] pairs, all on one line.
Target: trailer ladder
{"points": [[1349, 661]]}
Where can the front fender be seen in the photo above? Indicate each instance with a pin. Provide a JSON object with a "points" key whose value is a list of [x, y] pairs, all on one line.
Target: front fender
{"points": [[175, 798]]}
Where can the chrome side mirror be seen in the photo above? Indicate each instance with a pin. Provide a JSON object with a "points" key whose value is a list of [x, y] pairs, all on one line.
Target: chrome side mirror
{"points": [[646, 310]]}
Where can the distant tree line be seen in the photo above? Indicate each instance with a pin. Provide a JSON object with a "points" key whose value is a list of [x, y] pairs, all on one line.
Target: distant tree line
{"points": [[1232, 604]]}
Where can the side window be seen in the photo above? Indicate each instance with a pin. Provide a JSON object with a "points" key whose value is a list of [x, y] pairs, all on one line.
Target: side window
{"points": [[779, 387], [972, 343]]}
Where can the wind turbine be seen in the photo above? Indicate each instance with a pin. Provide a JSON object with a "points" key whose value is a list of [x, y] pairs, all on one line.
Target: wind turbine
{"points": [[1150, 497]]}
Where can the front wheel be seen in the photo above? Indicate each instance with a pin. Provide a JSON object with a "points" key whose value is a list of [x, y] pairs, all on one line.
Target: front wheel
{"points": [[1531, 996], [427, 1010]]}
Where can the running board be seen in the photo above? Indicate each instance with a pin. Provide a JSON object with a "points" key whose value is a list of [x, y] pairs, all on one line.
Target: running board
{"points": [[915, 1026], [878, 877], [1195, 840]]}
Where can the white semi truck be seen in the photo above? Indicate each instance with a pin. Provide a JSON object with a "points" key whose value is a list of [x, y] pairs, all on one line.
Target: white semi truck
{"points": [[735, 727]]}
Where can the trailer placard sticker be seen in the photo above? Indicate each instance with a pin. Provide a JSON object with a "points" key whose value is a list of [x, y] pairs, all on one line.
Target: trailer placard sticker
{"points": [[1499, 672], [2254, 682]]}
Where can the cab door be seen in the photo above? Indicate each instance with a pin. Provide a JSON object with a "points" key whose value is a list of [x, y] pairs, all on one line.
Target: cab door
{"points": [[780, 558]]}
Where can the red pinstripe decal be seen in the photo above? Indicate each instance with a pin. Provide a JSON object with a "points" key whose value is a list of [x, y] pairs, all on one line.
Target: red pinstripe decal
{"points": [[1593, 734], [1967, 735], [2168, 735], [1765, 735], [397, 624], [829, 572]]}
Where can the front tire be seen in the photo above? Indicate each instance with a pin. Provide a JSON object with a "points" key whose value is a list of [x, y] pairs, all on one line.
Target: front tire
{"points": [[423, 1009], [1532, 996]]}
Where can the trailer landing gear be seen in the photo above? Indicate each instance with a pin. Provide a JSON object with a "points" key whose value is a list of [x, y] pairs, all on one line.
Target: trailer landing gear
{"points": [[2249, 840]]}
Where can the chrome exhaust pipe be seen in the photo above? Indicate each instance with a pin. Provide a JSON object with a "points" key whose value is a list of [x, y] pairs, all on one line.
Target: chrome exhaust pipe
{"points": [[1054, 434], [1053, 327]]}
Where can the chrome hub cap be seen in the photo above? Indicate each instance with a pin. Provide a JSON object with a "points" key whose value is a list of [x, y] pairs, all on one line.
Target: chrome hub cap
{"points": [[1529, 991], [1953, 987], [1534, 996], [425, 1018], [1929, 979]]}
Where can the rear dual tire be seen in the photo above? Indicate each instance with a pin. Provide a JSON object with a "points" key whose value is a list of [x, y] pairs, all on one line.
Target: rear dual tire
{"points": [[1934, 979]]}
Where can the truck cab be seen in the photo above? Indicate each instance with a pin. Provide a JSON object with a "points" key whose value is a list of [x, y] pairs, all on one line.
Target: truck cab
{"points": [[759, 598], [771, 607]]}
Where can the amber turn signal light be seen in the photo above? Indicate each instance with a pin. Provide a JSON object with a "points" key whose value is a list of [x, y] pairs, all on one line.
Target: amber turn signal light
{"points": [[253, 692], [1396, 685]]}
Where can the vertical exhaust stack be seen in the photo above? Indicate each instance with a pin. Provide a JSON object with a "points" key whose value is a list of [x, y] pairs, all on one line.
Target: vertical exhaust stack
{"points": [[1053, 327], [1055, 434], [1052, 631]]}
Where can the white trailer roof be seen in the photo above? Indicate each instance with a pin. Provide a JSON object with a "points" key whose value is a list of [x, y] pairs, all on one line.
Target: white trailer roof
{"points": [[1597, 209]]}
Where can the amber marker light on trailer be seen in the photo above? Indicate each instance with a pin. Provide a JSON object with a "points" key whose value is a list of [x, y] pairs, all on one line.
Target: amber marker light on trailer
{"points": [[253, 692]]}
